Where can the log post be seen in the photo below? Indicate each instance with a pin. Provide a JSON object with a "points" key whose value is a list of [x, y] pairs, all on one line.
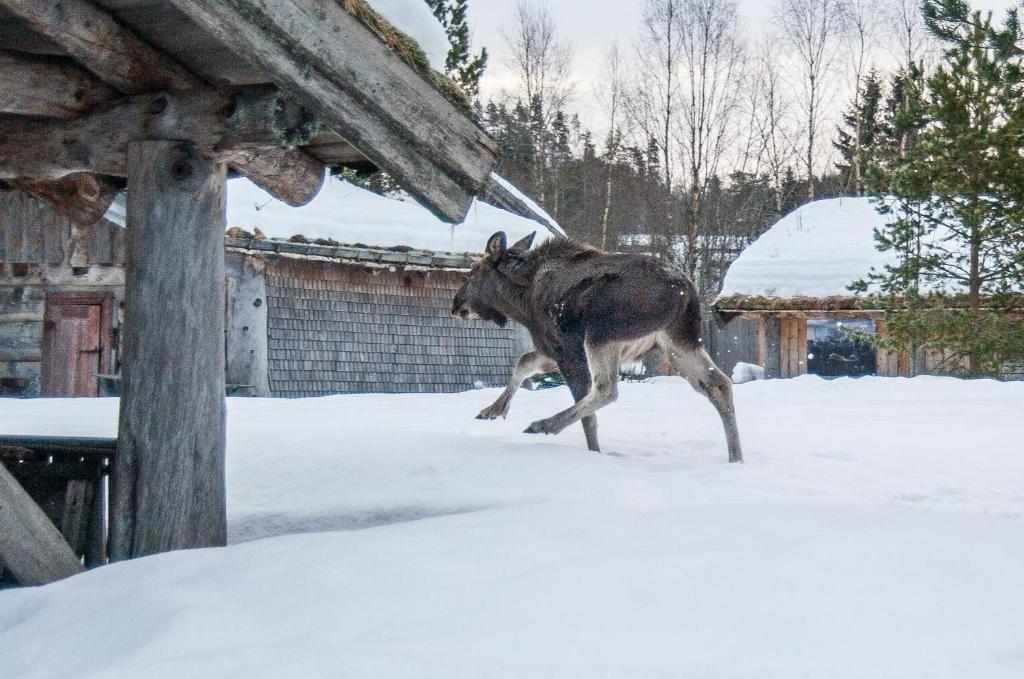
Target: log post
{"points": [[168, 479], [31, 547]]}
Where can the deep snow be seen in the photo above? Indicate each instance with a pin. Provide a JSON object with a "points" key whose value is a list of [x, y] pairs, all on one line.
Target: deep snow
{"points": [[875, 531], [817, 250]]}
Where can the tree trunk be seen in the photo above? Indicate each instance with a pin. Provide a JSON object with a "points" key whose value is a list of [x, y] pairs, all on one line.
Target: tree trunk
{"points": [[168, 481], [974, 295]]}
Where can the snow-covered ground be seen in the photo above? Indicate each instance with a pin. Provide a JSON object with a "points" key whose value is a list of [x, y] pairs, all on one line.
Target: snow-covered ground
{"points": [[876, 530]]}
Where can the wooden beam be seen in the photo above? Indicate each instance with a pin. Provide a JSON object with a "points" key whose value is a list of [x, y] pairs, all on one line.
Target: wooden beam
{"points": [[31, 547], [52, 87], [168, 480], [243, 128], [84, 198], [99, 42], [389, 111], [118, 57]]}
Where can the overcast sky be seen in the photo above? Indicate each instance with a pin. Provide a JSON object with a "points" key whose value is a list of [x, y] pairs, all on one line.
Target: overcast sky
{"points": [[591, 26]]}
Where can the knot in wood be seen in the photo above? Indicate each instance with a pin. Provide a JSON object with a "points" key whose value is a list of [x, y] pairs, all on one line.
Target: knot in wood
{"points": [[181, 169], [158, 105]]}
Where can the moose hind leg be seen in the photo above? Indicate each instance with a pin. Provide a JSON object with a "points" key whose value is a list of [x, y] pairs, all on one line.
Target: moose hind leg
{"points": [[604, 377], [704, 376], [528, 365]]}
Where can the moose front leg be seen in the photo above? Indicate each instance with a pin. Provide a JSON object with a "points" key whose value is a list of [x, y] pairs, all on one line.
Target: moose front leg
{"points": [[528, 365], [596, 385]]}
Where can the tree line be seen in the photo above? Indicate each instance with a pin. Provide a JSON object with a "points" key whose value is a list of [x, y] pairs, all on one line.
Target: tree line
{"points": [[709, 136], [706, 136]]}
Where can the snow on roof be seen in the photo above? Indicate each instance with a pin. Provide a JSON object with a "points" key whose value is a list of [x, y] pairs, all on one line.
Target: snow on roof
{"points": [[349, 214], [817, 250], [414, 18], [529, 202]]}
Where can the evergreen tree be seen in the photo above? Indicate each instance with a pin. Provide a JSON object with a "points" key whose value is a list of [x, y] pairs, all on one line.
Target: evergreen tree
{"points": [[955, 198], [861, 126], [461, 66]]}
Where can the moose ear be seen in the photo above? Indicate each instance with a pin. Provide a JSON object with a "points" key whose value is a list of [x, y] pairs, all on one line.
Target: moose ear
{"points": [[523, 244], [496, 244]]}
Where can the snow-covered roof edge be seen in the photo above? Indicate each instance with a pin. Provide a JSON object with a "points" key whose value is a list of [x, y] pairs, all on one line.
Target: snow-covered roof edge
{"points": [[504, 194]]}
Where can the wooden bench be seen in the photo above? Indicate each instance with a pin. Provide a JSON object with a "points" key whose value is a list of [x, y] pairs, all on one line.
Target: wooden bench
{"points": [[66, 479]]}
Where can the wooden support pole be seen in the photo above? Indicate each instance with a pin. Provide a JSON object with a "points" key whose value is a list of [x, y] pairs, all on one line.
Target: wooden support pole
{"points": [[31, 547], [168, 480]]}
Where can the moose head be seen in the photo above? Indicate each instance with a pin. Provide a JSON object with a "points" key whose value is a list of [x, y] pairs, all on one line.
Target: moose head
{"points": [[494, 281]]}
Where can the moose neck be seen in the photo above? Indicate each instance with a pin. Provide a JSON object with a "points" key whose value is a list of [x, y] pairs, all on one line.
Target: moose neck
{"points": [[511, 302]]}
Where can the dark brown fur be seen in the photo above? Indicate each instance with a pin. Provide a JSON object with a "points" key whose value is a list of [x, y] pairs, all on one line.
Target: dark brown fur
{"points": [[583, 307]]}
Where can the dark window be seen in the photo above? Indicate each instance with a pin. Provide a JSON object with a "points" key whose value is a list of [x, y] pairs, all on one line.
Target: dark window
{"points": [[835, 348]]}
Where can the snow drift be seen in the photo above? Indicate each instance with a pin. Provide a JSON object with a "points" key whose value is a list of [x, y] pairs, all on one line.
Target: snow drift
{"points": [[873, 532]]}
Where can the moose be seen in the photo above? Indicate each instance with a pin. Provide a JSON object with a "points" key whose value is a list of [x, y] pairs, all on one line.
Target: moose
{"points": [[587, 311]]}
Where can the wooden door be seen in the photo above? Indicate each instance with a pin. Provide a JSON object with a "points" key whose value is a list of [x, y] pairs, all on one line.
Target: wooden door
{"points": [[73, 346]]}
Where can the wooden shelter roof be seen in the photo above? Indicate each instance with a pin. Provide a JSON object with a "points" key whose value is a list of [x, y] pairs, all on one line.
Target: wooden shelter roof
{"points": [[338, 86]]}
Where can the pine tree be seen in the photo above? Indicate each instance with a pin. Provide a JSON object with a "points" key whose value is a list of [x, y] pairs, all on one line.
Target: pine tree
{"points": [[464, 68], [955, 198], [861, 126]]}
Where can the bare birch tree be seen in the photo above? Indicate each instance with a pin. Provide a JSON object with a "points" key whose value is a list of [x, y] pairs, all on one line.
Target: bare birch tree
{"points": [[653, 102], [610, 92], [913, 43], [712, 73], [810, 27], [861, 20], [543, 64], [771, 118]]}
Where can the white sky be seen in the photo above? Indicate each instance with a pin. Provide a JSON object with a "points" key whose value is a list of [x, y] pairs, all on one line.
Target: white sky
{"points": [[591, 26]]}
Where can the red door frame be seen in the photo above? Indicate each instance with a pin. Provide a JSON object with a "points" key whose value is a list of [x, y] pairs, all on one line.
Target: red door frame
{"points": [[105, 301]]}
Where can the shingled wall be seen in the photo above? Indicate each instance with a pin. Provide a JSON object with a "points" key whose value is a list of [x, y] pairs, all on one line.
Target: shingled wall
{"points": [[336, 327]]}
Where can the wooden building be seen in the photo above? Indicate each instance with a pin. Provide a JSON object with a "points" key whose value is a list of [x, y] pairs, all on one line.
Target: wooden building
{"points": [[165, 98], [303, 317], [786, 303], [61, 288]]}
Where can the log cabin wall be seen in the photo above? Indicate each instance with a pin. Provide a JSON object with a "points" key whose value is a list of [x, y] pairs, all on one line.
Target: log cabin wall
{"points": [[44, 256], [336, 327], [792, 347], [735, 342]]}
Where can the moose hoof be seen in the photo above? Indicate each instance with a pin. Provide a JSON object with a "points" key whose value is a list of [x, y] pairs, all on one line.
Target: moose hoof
{"points": [[541, 427], [492, 413]]}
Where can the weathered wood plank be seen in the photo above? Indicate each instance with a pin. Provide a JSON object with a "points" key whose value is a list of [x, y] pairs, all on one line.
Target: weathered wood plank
{"points": [[19, 378], [359, 87], [21, 341], [120, 58], [247, 349], [31, 547], [95, 553], [22, 299], [245, 128], [168, 481], [801, 346], [83, 198], [30, 232], [34, 85], [773, 347], [96, 40]]}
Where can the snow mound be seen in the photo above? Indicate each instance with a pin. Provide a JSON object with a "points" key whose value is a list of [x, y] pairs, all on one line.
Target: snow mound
{"points": [[747, 372], [350, 214], [874, 531], [817, 250]]}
